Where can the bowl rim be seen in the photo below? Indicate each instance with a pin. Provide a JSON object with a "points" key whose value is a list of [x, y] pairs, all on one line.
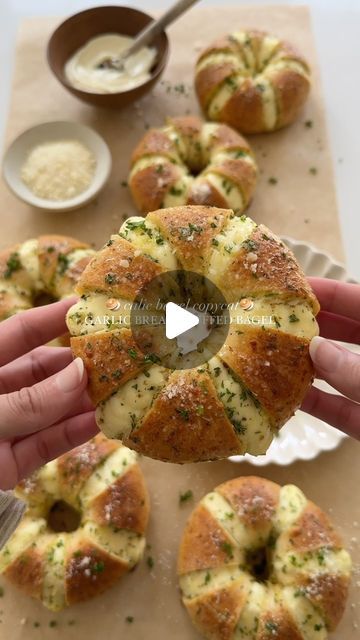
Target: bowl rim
{"points": [[101, 176], [81, 92]]}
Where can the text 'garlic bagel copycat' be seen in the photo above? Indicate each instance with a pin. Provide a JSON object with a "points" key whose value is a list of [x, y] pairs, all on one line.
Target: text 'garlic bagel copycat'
{"points": [[242, 395], [258, 561]]}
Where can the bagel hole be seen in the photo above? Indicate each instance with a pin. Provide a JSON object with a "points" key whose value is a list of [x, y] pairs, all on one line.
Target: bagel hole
{"points": [[41, 299], [62, 517], [258, 563]]}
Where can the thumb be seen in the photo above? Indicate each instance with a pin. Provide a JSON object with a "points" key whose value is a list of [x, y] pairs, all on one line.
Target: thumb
{"points": [[34, 408], [339, 367]]}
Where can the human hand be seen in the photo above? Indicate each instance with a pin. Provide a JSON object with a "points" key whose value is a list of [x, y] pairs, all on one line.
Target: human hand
{"points": [[339, 319], [44, 407]]}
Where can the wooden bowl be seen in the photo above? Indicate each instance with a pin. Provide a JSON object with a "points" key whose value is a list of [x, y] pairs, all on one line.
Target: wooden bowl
{"points": [[74, 32]]}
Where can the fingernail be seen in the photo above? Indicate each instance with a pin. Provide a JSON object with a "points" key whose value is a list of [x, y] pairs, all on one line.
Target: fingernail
{"points": [[70, 378], [325, 354]]}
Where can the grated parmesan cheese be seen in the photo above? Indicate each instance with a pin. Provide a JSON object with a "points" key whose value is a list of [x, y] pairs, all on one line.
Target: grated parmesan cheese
{"points": [[59, 170]]}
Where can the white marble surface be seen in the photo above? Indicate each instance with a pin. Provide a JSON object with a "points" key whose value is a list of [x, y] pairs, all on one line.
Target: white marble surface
{"points": [[337, 27]]}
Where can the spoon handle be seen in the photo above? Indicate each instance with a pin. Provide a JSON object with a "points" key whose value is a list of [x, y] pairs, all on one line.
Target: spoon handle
{"points": [[147, 35]]}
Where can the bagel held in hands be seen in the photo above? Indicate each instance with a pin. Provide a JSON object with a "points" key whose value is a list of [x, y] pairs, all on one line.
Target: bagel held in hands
{"points": [[252, 81], [254, 383]]}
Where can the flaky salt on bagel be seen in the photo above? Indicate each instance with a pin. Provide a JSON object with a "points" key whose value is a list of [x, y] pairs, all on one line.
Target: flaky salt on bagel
{"points": [[189, 161], [49, 264], [253, 81], [259, 562], [238, 400], [84, 525]]}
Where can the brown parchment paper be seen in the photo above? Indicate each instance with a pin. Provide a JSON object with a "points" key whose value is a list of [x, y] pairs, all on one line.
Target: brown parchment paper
{"points": [[301, 205]]}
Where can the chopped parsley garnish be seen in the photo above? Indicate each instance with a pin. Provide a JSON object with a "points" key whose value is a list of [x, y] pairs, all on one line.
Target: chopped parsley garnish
{"points": [[129, 619], [313, 171], [272, 180], [132, 353], [63, 262], [176, 191], [184, 413], [150, 562], [110, 278], [293, 318], [186, 496], [13, 264], [151, 357], [227, 548], [98, 567], [249, 245]]}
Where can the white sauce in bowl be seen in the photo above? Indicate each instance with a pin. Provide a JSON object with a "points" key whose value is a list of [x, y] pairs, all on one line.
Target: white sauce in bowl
{"points": [[83, 72]]}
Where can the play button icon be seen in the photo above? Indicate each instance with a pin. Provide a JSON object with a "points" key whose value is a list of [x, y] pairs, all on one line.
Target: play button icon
{"points": [[178, 320]]}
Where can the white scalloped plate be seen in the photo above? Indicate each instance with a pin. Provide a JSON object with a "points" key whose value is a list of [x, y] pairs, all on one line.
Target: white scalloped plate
{"points": [[304, 437]]}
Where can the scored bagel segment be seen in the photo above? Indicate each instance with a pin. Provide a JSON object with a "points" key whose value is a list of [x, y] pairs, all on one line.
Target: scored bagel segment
{"points": [[186, 422], [265, 361], [101, 480], [233, 545], [191, 162], [252, 81]]}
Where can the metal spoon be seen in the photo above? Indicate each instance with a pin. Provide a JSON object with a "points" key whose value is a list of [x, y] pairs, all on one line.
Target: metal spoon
{"points": [[147, 35]]}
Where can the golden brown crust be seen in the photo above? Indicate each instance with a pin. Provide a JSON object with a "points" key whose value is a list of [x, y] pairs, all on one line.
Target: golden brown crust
{"points": [[244, 109], [291, 91], [188, 126], [150, 185], [27, 572], [84, 580], [264, 264], [216, 613], [266, 362], [118, 271], [76, 466], [241, 174], [110, 358], [253, 499], [125, 504], [51, 249], [187, 422], [313, 531], [204, 545], [278, 625], [328, 592], [226, 138], [208, 79], [205, 194], [155, 142], [175, 223]]}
